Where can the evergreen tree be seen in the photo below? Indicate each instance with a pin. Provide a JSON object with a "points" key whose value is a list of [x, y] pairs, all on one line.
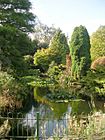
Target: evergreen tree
{"points": [[98, 43], [80, 51], [16, 13], [56, 52], [14, 45], [59, 47]]}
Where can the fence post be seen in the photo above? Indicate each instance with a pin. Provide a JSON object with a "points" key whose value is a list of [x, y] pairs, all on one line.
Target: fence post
{"points": [[37, 125]]}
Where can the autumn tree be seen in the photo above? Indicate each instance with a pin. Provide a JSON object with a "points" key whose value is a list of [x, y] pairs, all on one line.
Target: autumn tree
{"points": [[80, 51], [98, 43]]}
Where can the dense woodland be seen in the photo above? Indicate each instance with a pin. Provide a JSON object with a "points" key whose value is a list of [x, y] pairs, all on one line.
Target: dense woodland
{"points": [[77, 64]]}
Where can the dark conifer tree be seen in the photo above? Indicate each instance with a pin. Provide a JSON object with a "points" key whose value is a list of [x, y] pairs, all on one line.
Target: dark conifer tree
{"points": [[80, 51], [16, 13]]}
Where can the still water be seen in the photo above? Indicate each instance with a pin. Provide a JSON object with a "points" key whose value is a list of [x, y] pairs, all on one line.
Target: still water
{"points": [[50, 117], [54, 116]]}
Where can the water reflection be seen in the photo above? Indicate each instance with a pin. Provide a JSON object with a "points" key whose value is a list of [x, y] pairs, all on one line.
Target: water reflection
{"points": [[54, 116], [52, 109], [58, 109]]}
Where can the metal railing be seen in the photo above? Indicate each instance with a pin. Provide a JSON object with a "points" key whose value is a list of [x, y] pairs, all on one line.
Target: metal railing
{"points": [[18, 126], [32, 126]]}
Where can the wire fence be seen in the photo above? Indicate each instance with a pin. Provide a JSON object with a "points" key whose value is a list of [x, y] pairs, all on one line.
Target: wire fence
{"points": [[15, 126]]}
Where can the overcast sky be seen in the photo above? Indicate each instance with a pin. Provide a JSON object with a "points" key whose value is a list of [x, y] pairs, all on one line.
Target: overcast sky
{"points": [[67, 14]]}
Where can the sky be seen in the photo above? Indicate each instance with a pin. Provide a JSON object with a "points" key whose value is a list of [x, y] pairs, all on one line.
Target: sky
{"points": [[67, 14]]}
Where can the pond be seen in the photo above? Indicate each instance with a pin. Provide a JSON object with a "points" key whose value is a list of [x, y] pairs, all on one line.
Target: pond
{"points": [[54, 116]]}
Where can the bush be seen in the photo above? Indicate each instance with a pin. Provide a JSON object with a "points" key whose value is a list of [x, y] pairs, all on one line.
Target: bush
{"points": [[12, 92], [56, 52], [98, 62], [43, 58], [6, 81], [55, 70]]}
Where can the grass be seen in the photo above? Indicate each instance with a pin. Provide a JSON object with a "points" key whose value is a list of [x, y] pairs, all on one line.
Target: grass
{"points": [[84, 128]]}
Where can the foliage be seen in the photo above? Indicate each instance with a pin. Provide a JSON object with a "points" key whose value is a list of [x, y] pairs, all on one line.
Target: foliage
{"points": [[42, 45], [43, 34], [10, 84], [94, 83], [17, 14], [5, 81], [98, 62], [80, 51], [56, 52], [98, 43], [66, 80], [16, 21], [90, 128], [43, 58], [29, 61], [54, 70], [100, 79], [12, 92], [14, 45], [59, 94], [90, 86], [59, 47], [39, 82]]}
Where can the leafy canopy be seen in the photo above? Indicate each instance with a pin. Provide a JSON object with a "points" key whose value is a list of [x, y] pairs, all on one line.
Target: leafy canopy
{"points": [[98, 43], [16, 13], [43, 33], [56, 52], [14, 45]]}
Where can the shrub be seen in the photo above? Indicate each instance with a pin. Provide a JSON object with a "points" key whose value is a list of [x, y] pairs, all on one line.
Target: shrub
{"points": [[12, 92]]}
